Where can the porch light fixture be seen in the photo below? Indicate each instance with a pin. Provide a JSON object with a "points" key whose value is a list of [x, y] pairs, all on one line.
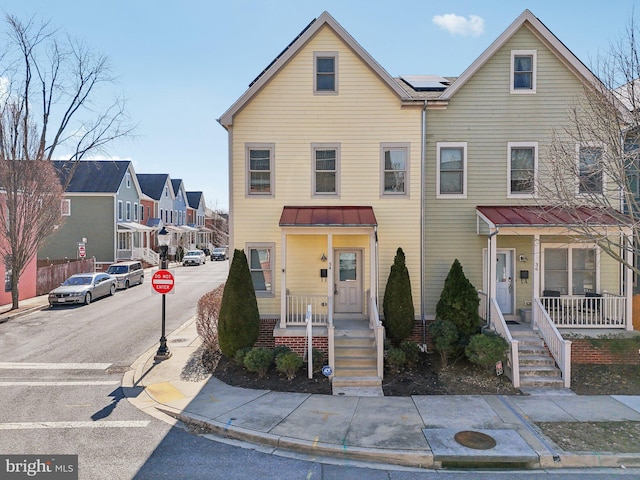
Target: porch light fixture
{"points": [[323, 258], [523, 258]]}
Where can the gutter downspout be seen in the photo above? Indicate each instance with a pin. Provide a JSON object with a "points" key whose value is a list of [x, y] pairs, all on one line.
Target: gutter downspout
{"points": [[423, 155], [490, 273]]}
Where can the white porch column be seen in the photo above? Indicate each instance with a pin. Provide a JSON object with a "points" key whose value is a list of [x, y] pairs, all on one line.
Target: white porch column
{"points": [[373, 277], [628, 281], [536, 265], [330, 279], [283, 281]]}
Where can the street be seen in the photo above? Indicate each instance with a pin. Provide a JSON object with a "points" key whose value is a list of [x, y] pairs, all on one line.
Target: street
{"points": [[60, 377]]}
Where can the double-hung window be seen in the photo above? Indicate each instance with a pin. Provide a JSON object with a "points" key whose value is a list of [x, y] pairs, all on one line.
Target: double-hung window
{"points": [[395, 168], [260, 169], [65, 207], [452, 170], [128, 211], [326, 169], [261, 267], [523, 71], [120, 210], [571, 270], [325, 80], [590, 171], [523, 163]]}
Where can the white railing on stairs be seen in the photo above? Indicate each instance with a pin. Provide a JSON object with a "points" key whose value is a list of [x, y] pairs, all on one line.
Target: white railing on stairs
{"points": [[500, 325], [559, 347], [378, 334]]}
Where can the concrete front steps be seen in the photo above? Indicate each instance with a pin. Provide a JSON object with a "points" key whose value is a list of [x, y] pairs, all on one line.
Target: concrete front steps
{"points": [[537, 366], [355, 356]]}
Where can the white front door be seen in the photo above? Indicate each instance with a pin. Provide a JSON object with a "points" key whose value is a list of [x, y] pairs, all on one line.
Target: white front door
{"points": [[347, 292], [504, 281]]}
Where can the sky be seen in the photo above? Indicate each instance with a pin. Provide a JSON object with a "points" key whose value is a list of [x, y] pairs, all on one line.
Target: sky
{"points": [[181, 65]]}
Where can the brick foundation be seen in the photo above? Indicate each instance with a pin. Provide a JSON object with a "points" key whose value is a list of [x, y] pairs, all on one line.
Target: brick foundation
{"points": [[299, 344], [584, 351]]}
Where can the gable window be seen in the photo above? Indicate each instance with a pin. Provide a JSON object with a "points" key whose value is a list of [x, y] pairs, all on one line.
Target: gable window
{"points": [[65, 207], [452, 170], [166, 191], [590, 173], [523, 163], [260, 169], [120, 211], [128, 180], [523, 71], [571, 270], [326, 160], [128, 211], [326, 72], [395, 168], [261, 266]]}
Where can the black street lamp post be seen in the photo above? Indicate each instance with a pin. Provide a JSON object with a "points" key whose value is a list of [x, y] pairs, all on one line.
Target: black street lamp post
{"points": [[164, 238]]}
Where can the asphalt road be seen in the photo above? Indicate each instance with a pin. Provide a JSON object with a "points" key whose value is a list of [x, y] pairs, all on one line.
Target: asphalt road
{"points": [[60, 374]]}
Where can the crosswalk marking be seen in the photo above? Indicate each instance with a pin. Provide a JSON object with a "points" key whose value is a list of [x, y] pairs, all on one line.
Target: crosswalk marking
{"points": [[98, 424], [58, 384], [53, 366]]}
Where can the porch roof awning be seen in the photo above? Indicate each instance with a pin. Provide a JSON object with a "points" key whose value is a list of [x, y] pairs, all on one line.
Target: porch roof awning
{"points": [[334, 216], [547, 216], [134, 226]]}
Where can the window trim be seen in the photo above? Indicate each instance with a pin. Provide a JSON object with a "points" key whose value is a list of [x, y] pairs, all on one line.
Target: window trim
{"points": [[569, 247], [325, 54], [325, 146], [128, 180], [120, 210], [534, 62], [439, 147], [272, 173], [65, 207], [272, 254], [384, 147], [128, 211], [511, 146], [579, 147]]}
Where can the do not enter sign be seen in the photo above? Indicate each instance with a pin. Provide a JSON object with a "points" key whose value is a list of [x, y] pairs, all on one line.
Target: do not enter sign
{"points": [[162, 281]]}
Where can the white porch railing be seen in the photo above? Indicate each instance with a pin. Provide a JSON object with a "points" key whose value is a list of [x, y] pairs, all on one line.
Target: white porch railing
{"points": [[500, 326], [150, 256], [297, 309], [606, 311], [378, 334], [559, 347]]}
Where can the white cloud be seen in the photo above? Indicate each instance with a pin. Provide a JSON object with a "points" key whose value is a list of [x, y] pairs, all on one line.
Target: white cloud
{"points": [[457, 25]]}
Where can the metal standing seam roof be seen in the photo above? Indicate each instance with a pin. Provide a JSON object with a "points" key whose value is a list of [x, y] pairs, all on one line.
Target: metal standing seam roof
{"points": [[534, 215], [352, 216]]}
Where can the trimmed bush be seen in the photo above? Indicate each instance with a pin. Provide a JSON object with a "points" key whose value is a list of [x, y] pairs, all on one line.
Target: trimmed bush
{"points": [[486, 349], [289, 363], [258, 360], [318, 359], [459, 303], [397, 305], [411, 351], [239, 321], [279, 350], [396, 359], [207, 316], [240, 354], [445, 339]]}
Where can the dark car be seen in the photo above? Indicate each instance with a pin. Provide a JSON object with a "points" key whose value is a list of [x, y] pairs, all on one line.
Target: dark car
{"points": [[220, 253], [82, 288]]}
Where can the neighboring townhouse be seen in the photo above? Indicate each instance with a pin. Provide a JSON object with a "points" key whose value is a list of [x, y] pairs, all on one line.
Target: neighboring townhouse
{"points": [[196, 212], [352, 164], [159, 201], [101, 209], [27, 285], [180, 202], [326, 187]]}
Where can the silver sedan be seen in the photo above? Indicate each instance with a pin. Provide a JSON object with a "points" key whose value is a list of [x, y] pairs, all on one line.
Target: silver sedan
{"points": [[83, 288]]}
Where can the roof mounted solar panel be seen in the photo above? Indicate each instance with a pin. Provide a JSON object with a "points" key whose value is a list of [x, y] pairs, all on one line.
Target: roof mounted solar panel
{"points": [[426, 83]]}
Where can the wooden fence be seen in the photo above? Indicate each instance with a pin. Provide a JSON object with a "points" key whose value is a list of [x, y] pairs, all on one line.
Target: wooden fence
{"points": [[50, 276]]}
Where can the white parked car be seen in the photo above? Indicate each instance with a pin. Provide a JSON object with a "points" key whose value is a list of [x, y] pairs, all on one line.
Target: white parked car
{"points": [[194, 257]]}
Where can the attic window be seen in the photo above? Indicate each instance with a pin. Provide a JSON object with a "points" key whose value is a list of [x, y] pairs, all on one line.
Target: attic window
{"points": [[325, 72], [523, 71]]}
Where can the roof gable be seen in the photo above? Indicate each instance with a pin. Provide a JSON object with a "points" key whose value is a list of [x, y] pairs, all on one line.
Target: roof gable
{"points": [[530, 21], [92, 176], [324, 20], [195, 199], [152, 184]]}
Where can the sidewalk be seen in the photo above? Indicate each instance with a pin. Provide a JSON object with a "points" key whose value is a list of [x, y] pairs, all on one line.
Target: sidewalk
{"points": [[413, 431]]}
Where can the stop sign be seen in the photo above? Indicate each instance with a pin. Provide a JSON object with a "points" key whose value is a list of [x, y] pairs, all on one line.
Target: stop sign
{"points": [[162, 281]]}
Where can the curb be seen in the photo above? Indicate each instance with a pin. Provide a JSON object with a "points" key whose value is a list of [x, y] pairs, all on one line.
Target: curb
{"points": [[4, 318]]}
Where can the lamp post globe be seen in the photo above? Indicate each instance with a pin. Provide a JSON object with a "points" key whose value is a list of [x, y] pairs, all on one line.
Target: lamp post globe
{"points": [[164, 239]]}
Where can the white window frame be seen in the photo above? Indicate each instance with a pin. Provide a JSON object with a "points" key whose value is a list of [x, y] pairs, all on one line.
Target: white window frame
{"points": [[65, 207], [120, 210], [128, 180], [316, 56], [511, 146], [128, 211], [385, 147], [604, 173], [534, 62], [135, 211], [272, 260], [272, 150], [319, 147], [570, 247], [439, 147]]}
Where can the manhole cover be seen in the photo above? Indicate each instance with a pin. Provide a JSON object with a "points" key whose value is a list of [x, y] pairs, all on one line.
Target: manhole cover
{"points": [[117, 369], [178, 340], [475, 440]]}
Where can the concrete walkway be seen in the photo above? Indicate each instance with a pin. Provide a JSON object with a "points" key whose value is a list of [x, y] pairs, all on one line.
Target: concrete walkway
{"points": [[417, 431]]}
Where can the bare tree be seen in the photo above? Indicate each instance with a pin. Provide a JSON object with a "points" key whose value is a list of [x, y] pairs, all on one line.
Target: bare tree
{"points": [[591, 171], [49, 87]]}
